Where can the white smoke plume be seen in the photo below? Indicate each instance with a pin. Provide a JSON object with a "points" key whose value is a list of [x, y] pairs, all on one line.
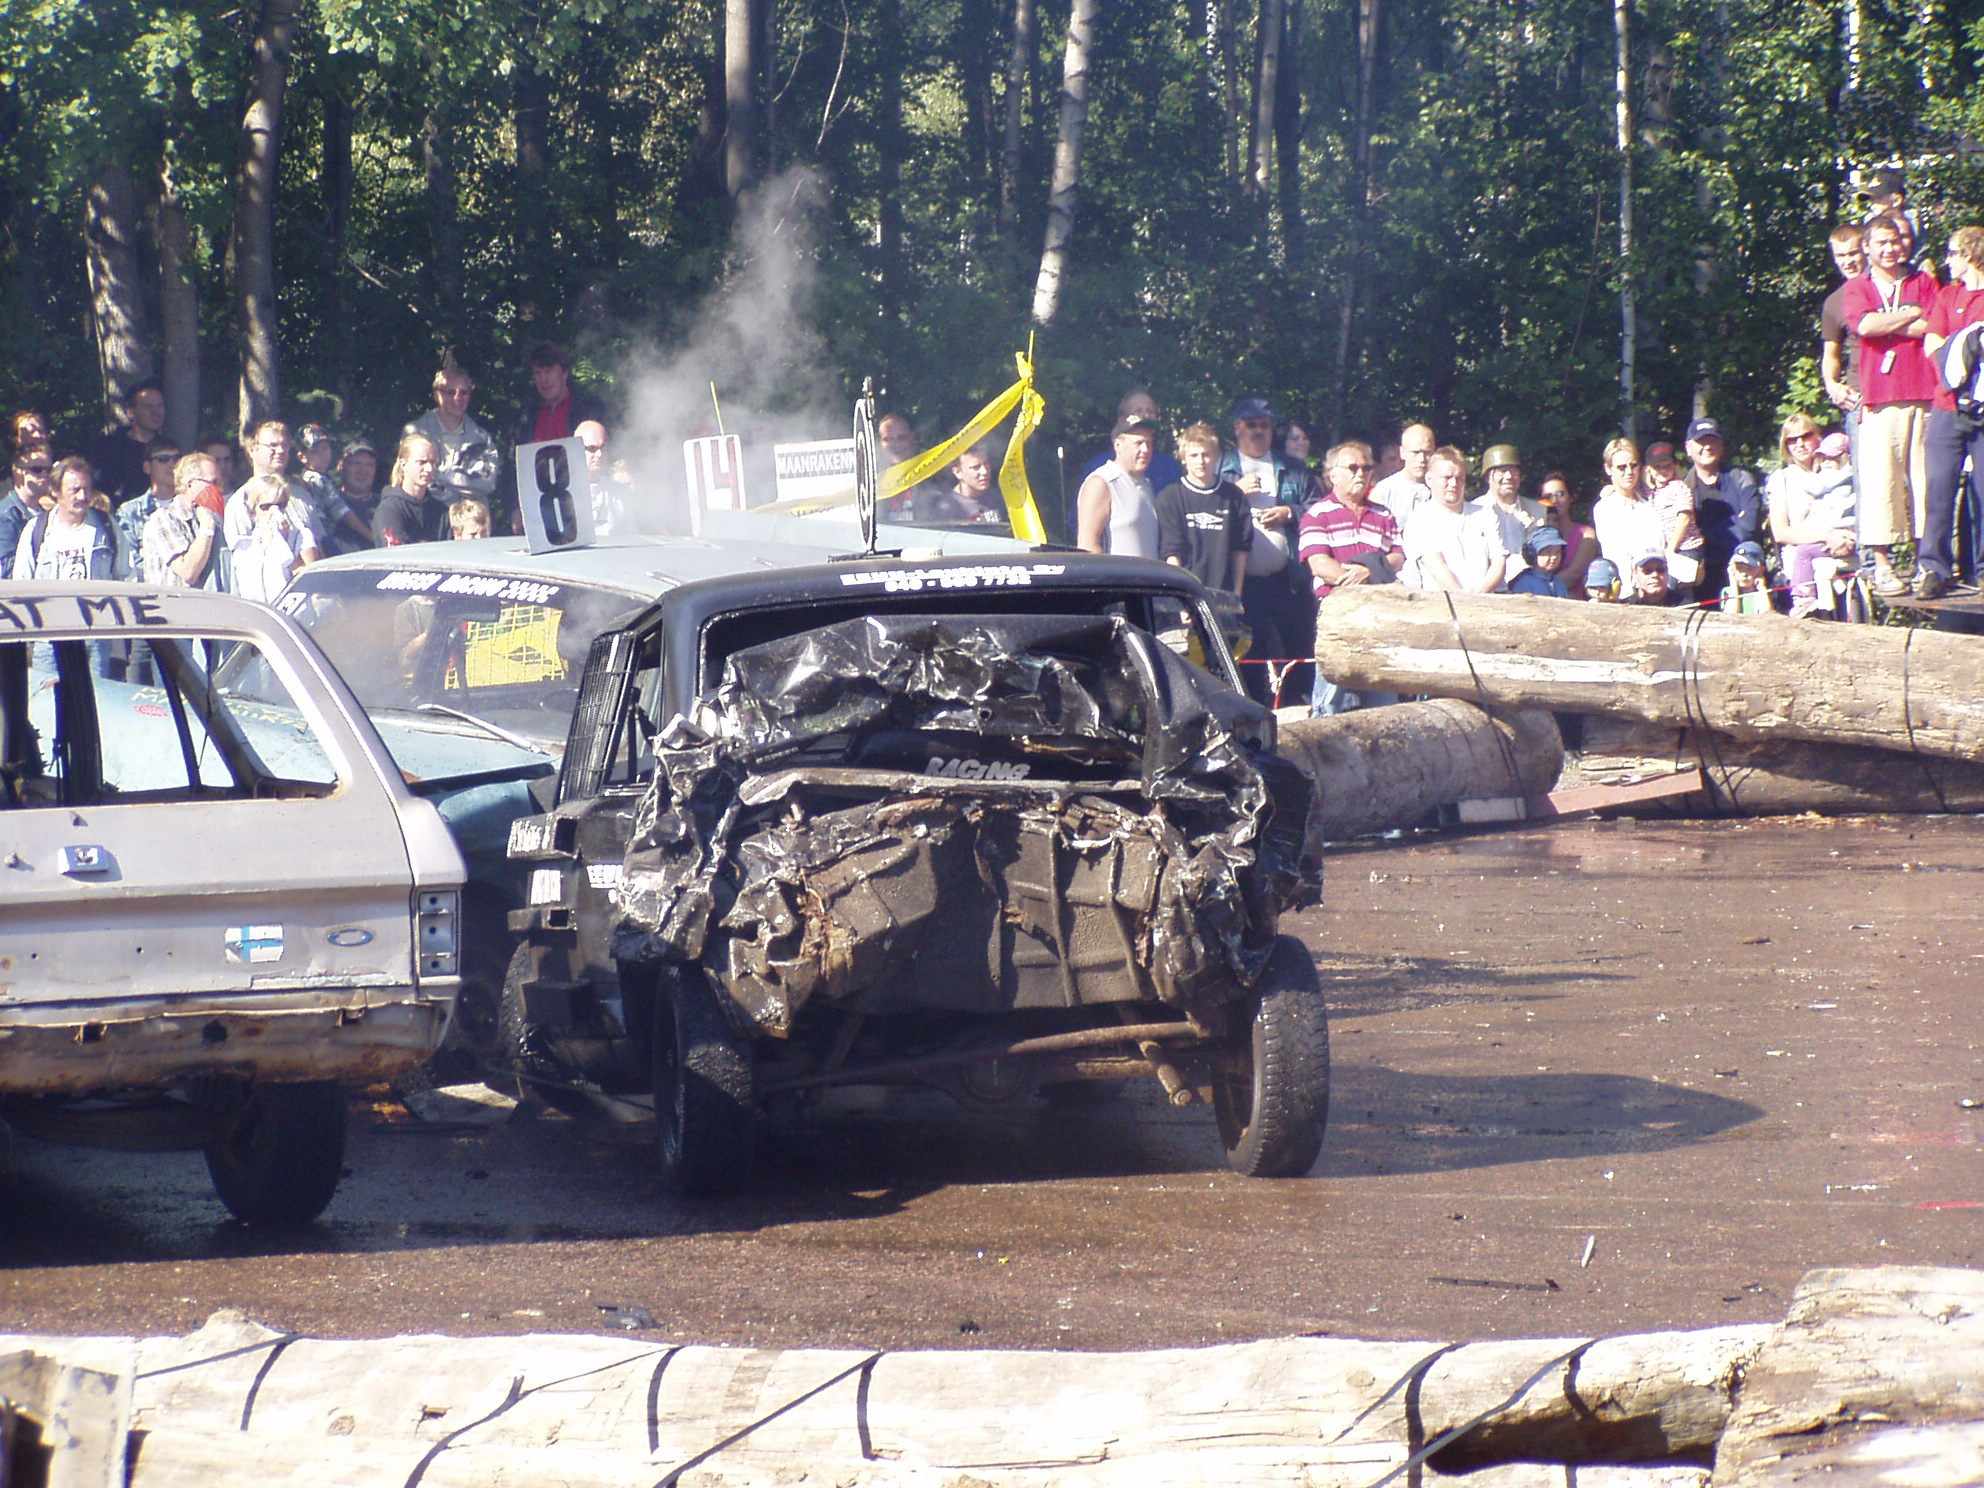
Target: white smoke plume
{"points": [[753, 338]]}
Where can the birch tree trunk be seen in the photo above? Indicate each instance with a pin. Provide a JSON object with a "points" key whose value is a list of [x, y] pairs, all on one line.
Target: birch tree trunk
{"points": [[1628, 322], [444, 237], [743, 70], [1267, 67], [337, 193], [111, 225], [255, 211], [1288, 134], [531, 116], [891, 147], [1370, 16], [1063, 189], [1019, 67], [1229, 83], [179, 309]]}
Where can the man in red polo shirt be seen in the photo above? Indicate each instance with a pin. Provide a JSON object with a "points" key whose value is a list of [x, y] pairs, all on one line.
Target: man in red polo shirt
{"points": [[1889, 309], [560, 407], [1954, 434], [1348, 539]]}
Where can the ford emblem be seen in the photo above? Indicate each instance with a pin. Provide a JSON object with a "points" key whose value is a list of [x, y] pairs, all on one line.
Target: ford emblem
{"points": [[351, 935]]}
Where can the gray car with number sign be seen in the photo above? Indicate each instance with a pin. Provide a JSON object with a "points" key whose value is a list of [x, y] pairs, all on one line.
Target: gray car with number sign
{"points": [[467, 656], [216, 905]]}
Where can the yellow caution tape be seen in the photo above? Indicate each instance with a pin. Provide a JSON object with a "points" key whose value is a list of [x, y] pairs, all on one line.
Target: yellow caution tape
{"points": [[1021, 510]]}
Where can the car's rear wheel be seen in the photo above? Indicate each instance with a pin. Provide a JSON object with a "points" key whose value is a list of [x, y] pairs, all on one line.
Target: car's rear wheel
{"points": [[524, 1068], [277, 1160], [1273, 1109], [704, 1107]]}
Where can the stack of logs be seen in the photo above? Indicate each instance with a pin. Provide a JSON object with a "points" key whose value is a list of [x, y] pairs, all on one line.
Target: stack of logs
{"points": [[1780, 715]]}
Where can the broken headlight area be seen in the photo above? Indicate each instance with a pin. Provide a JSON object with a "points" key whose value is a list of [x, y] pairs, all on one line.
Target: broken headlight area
{"points": [[967, 813]]}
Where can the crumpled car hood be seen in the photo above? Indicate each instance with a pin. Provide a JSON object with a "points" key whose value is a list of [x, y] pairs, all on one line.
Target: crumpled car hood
{"points": [[968, 812]]}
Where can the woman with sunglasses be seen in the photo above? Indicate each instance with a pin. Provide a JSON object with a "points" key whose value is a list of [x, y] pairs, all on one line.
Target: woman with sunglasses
{"points": [[1811, 517], [1624, 516], [1580, 542]]}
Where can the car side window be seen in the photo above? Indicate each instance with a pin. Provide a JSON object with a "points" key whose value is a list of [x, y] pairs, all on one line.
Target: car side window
{"points": [[632, 761], [98, 740]]}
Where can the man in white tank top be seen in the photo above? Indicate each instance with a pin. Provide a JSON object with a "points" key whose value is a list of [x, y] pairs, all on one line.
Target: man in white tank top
{"points": [[1116, 509]]}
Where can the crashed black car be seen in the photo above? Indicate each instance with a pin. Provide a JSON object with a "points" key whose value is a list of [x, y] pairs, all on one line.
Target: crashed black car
{"points": [[994, 824]]}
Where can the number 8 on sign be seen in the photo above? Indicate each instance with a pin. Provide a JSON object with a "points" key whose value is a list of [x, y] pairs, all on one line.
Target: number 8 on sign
{"points": [[554, 495]]}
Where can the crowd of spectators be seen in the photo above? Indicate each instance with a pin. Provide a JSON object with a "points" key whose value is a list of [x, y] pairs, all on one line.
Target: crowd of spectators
{"points": [[1671, 525], [136, 504], [1676, 524]]}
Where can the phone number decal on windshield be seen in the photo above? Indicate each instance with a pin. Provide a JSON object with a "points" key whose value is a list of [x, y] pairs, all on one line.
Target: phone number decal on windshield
{"points": [[915, 580], [482, 586]]}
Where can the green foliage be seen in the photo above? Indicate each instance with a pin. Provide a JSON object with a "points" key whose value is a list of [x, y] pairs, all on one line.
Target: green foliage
{"points": [[1805, 392], [1483, 267]]}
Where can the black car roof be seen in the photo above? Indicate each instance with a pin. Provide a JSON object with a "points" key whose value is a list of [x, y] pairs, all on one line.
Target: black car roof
{"points": [[684, 613], [696, 602]]}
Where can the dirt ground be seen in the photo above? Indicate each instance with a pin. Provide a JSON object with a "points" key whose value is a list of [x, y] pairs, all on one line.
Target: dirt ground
{"points": [[1589, 1078]]}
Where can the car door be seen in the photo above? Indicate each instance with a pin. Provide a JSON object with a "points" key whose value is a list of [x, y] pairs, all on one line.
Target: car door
{"points": [[174, 840]]}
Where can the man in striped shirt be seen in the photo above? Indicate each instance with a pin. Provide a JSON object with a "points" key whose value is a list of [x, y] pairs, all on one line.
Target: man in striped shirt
{"points": [[1347, 539]]}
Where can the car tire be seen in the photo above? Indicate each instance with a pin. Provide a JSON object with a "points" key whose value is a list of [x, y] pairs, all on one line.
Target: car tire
{"points": [[521, 1068], [705, 1111], [1272, 1112], [277, 1160]]}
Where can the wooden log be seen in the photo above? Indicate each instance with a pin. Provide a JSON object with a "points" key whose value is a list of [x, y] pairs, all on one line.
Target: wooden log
{"points": [[239, 1403], [1379, 768], [1778, 777], [1859, 1351], [1749, 676]]}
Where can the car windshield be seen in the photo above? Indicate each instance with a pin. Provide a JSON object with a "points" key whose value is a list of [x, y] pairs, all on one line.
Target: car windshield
{"points": [[506, 650]]}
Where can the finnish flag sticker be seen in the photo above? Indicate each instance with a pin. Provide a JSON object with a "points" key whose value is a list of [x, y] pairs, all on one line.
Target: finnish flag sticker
{"points": [[251, 943]]}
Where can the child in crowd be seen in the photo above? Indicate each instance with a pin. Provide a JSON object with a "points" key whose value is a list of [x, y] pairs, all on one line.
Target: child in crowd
{"points": [[1749, 586], [1543, 550], [1601, 581], [468, 518], [1204, 524], [1674, 499]]}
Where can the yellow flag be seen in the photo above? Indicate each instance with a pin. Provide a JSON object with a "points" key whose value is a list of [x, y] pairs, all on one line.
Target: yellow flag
{"points": [[1021, 510]]}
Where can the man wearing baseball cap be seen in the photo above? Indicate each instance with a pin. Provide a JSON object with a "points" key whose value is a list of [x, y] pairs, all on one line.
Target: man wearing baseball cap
{"points": [[1279, 607], [1653, 584], [1729, 508], [1116, 509]]}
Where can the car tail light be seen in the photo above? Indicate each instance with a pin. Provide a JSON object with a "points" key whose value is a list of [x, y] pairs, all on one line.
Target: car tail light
{"points": [[437, 915]]}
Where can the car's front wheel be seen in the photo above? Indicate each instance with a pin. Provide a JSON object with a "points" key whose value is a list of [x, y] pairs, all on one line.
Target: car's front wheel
{"points": [[705, 1110], [1273, 1108], [277, 1160]]}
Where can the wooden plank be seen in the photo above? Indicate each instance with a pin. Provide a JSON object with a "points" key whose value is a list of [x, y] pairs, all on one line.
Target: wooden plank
{"points": [[1602, 797]]}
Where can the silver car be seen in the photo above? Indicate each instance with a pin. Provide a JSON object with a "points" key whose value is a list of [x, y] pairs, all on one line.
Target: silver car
{"points": [[215, 907]]}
